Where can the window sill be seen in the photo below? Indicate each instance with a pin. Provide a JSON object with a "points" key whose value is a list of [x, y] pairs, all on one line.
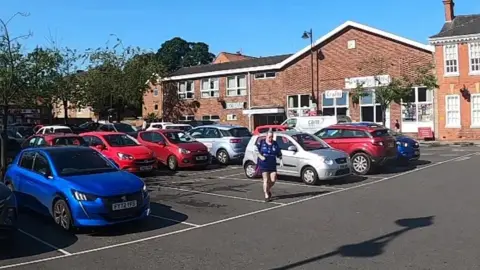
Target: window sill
{"points": [[446, 75], [475, 126], [236, 96], [474, 73], [453, 126], [209, 97]]}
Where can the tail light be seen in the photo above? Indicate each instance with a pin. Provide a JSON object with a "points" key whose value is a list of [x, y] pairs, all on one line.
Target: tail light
{"points": [[378, 143], [235, 140]]}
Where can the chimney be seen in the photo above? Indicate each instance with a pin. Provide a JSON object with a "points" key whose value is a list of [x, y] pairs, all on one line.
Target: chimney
{"points": [[449, 10]]}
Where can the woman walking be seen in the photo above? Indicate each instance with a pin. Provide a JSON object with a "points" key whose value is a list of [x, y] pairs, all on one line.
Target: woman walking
{"points": [[268, 152]]}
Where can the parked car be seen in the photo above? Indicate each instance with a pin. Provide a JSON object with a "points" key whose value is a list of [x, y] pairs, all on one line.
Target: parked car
{"points": [[183, 127], [76, 129], [408, 149], [265, 128], [77, 186], [369, 147], [303, 155], [197, 123], [312, 124], [123, 150], [119, 127], [8, 212], [89, 126], [54, 129], [55, 139], [175, 149], [224, 142]]}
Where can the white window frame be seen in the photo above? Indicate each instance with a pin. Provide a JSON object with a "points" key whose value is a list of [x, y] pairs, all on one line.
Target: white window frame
{"points": [[474, 56], [263, 75], [417, 104], [374, 105], [455, 57], [155, 92], [448, 125], [237, 88], [210, 117], [185, 118], [215, 91], [299, 110], [473, 110], [179, 91], [335, 106]]}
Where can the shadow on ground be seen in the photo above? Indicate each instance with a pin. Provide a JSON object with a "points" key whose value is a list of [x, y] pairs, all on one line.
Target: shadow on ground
{"points": [[298, 195], [370, 248], [401, 168]]}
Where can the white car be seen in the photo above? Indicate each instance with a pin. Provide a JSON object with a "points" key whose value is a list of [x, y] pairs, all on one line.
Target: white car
{"points": [[54, 129], [182, 127], [303, 155]]}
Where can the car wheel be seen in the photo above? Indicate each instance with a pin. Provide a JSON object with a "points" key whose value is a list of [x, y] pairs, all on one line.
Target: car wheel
{"points": [[309, 176], [62, 215], [172, 163], [222, 157], [250, 169], [361, 163]]}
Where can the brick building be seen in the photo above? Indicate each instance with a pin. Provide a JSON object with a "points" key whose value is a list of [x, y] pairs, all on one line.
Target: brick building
{"points": [[266, 90], [457, 60]]}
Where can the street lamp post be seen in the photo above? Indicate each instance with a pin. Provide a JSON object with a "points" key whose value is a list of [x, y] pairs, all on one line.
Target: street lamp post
{"points": [[309, 35]]}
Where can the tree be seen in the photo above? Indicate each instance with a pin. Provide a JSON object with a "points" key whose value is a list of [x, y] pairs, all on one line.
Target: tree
{"points": [[13, 76], [397, 87], [177, 53]]}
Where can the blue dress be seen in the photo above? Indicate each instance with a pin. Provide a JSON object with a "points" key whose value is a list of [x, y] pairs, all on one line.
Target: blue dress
{"points": [[271, 152]]}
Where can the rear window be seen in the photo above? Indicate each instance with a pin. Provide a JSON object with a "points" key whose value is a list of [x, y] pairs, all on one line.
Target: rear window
{"points": [[78, 141], [236, 132], [62, 130], [380, 133]]}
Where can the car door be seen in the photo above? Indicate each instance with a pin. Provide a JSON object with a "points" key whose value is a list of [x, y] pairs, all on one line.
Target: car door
{"points": [[351, 139], [155, 142], [41, 183], [332, 136], [198, 134], [289, 158], [212, 140], [25, 166]]}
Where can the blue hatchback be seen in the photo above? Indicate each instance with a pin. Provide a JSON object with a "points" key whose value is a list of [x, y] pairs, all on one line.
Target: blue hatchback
{"points": [[77, 186]]}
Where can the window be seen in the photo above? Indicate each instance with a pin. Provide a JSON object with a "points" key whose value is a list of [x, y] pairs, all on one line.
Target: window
{"points": [[418, 106], [27, 160], [155, 92], [237, 85], [474, 51], [283, 142], [298, 105], [328, 133], [153, 137], [475, 107], [450, 54], [187, 118], [40, 165], [209, 88], [186, 90], [155, 107], [211, 118], [266, 75], [452, 107], [370, 110], [231, 117], [335, 106]]}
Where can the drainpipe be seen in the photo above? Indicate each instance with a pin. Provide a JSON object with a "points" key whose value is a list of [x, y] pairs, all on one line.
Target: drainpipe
{"points": [[249, 101]]}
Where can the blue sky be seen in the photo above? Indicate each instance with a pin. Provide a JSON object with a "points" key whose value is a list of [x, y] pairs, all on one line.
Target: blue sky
{"points": [[258, 28]]}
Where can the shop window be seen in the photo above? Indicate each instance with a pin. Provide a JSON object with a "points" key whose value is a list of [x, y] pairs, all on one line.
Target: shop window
{"points": [[418, 106], [370, 110], [450, 56], [335, 106], [475, 107], [237, 85], [474, 52], [209, 88], [186, 90], [452, 110], [211, 118], [298, 105]]}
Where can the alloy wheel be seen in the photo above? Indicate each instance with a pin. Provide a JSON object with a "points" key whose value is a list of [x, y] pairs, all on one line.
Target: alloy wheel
{"points": [[360, 164], [61, 216], [222, 156], [308, 176], [250, 170]]}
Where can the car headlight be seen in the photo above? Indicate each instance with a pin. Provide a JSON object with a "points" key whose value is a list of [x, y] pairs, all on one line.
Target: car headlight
{"points": [[328, 161], [405, 144], [144, 188], [183, 151], [80, 196], [123, 156]]}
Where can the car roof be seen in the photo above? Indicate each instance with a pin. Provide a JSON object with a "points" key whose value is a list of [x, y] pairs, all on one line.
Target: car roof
{"points": [[286, 132], [356, 127], [56, 126], [271, 126], [60, 149], [221, 126], [57, 135], [163, 130], [100, 133], [177, 125]]}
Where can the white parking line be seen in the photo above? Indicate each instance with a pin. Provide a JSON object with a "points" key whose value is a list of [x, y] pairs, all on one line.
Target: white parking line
{"points": [[234, 217], [219, 195], [45, 243], [177, 221]]}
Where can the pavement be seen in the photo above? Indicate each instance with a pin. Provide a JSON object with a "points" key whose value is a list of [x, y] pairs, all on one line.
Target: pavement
{"points": [[422, 216]]}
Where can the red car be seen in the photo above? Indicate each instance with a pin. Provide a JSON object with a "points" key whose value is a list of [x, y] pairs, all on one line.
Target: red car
{"points": [[368, 146], [263, 129], [175, 149], [53, 139], [122, 149]]}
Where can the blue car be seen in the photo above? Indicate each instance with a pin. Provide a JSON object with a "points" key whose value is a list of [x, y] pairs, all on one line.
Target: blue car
{"points": [[77, 186], [408, 149]]}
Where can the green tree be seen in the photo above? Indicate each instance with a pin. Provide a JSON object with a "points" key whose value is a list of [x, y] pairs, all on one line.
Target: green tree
{"points": [[398, 87], [177, 53]]}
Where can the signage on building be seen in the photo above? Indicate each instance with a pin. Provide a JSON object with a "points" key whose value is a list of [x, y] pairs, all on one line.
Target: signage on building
{"points": [[425, 132], [234, 105], [333, 94], [369, 81]]}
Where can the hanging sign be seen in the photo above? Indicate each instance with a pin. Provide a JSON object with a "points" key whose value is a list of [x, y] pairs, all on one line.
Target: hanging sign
{"points": [[329, 94]]}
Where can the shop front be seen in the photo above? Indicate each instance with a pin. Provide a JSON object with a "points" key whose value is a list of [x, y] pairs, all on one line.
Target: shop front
{"points": [[265, 116]]}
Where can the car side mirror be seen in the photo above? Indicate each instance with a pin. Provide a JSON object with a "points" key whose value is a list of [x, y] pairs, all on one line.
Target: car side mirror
{"points": [[100, 147], [292, 148]]}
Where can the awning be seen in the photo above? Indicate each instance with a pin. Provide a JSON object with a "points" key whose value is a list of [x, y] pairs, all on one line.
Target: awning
{"points": [[264, 111]]}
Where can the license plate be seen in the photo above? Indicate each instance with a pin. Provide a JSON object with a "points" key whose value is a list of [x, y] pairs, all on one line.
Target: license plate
{"points": [[124, 205], [146, 168], [343, 166], [201, 158]]}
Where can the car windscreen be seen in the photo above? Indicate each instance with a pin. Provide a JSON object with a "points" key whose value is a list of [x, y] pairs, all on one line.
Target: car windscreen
{"points": [[83, 161], [309, 142], [62, 130], [78, 141], [381, 133], [236, 132], [120, 127], [178, 137], [120, 140], [184, 128]]}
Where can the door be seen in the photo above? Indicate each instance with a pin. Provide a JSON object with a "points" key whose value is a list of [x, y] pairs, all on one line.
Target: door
{"points": [[211, 139], [331, 136], [290, 161], [42, 183], [351, 138], [155, 142]]}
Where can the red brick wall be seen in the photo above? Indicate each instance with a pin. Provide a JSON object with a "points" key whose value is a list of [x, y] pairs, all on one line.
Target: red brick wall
{"points": [[452, 85]]}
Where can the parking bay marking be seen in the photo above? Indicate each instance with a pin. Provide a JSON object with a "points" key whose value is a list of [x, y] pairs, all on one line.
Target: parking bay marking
{"points": [[177, 221], [234, 217], [45, 243]]}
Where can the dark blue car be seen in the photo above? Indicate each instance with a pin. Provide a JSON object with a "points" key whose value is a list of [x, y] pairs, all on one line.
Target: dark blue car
{"points": [[408, 149], [77, 186]]}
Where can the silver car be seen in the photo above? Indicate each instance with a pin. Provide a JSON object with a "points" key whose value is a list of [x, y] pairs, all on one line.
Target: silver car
{"points": [[224, 142], [303, 155]]}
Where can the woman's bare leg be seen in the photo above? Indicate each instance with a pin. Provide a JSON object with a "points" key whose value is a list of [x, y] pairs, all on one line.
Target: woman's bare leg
{"points": [[266, 184]]}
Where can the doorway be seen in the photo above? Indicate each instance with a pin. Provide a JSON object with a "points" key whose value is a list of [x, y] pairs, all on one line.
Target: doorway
{"points": [[268, 119]]}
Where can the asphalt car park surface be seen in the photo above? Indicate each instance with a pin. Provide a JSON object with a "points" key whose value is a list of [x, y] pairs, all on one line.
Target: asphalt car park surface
{"points": [[420, 216]]}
